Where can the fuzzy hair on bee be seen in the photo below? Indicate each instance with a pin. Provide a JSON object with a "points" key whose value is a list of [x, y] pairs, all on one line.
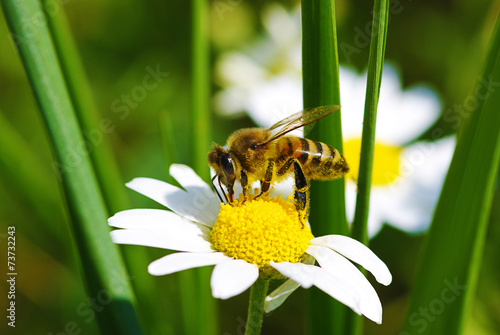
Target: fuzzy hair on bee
{"points": [[270, 155]]}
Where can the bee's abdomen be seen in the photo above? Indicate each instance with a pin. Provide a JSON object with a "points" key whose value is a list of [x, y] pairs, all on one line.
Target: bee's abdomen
{"points": [[318, 160]]}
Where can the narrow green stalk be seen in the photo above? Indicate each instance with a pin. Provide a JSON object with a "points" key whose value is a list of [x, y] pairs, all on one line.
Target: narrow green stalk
{"points": [[321, 87], [446, 282], [95, 128], [205, 308], [102, 266], [258, 294], [375, 68]]}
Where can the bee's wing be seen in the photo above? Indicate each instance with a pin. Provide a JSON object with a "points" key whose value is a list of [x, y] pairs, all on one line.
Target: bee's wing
{"points": [[300, 119]]}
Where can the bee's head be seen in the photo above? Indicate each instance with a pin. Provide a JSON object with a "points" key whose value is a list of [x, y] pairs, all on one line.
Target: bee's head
{"points": [[224, 166]]}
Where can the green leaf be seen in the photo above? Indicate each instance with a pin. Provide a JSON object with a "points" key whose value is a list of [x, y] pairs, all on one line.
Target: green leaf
{"points": [[446, 281], [102, 266], [375, 69], [94, 127], [96, 130], [321, 87]]}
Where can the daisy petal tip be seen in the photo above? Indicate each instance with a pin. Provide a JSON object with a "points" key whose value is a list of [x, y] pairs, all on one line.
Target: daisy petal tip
{"points": [[232, 278], [116, 236], [386, 279], [224, 294], [138, 183], [382, 274], [110, 221], [178, 167], [377, 319], [153, 271], [133, 182], [221, 295]]}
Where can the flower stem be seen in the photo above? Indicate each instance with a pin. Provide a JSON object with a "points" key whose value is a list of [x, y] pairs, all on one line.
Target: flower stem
{"points": [[320, 66], [258, 294]]}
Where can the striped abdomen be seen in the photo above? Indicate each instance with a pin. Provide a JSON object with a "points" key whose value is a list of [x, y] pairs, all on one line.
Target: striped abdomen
{"points": [[318, 160]]}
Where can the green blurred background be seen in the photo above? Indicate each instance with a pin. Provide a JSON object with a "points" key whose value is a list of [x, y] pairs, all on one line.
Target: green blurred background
{"points": [[440, 43]]}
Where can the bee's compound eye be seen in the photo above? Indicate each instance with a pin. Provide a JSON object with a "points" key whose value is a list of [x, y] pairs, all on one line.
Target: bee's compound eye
{"points": [[254, 146], [227, 164]]}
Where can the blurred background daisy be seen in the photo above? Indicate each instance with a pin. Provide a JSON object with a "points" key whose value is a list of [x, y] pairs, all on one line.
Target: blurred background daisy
{"points": [[408, 174]]}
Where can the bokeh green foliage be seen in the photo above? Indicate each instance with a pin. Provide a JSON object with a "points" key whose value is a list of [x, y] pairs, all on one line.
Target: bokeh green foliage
{"points": [[120, 42]]}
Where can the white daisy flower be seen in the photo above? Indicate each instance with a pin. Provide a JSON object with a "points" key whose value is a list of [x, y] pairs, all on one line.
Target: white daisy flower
{"points": [[264, 77], [262, 237], [407, 179]]}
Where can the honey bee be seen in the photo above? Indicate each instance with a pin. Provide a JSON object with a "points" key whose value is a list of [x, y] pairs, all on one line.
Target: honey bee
{"points": [[270, 155]]}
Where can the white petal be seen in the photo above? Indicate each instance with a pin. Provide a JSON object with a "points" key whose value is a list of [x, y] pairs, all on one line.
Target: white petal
{"points": [[308, 275], [404, 115], [196, 187], [180, 201], [279, 295], [357, 252], [275, 99], [352, 89], [337, 265], [423, 169], [160, 229], [180, 261], [301, 273], [232, 278], [162, 240], [157, 220]]}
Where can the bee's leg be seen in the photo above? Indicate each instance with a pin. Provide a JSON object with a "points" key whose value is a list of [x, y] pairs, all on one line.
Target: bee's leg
{"points": [[301, 199], [244, 184], [268, 177]]}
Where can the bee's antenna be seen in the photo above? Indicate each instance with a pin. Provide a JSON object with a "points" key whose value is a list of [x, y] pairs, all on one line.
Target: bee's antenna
{"points": [[222, 190], [216, 191]]}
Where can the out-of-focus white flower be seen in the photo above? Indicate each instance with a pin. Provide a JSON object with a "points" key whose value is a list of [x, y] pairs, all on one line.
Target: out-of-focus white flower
{"points": [[407, 178], [407, 175], [262, 80], [259, 237]]}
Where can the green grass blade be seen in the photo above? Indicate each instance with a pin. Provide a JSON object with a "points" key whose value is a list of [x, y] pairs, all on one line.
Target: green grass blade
{"points": [[375, 69], [448, 274], [96, 130], [204, 309], [321, 87], [102, 266], [95, 127]]}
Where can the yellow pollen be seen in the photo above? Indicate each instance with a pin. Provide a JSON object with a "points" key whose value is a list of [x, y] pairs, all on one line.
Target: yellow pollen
{"points": [[386, 161], [261, 230]]}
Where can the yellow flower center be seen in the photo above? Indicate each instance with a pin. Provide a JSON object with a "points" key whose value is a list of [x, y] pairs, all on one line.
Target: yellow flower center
{"points": [[386, 161], [261, 230]]}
